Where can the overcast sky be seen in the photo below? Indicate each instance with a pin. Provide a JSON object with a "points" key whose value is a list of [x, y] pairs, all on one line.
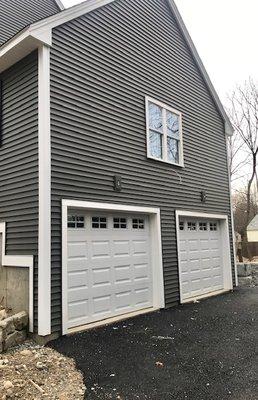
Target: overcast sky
{"points": [[225, 33]]}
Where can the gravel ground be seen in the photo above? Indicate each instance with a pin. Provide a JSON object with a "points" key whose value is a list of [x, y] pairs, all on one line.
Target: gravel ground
{"points": [[201, 351], [31, 372]]}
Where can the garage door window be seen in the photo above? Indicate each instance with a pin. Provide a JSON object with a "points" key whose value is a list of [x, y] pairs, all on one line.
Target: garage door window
{"points": [[99, 222], [191, 226], [203, 226], [138, 223], [75, 221], [120, 223], [181, 226], [213, 226]]}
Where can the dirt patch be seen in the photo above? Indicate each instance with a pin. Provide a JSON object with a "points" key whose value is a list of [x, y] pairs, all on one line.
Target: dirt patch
{"points": [[33, 372]]}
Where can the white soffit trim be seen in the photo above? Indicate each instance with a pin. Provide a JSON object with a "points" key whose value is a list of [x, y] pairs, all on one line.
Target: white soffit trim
{"points": [[44, 230], [19, 262]]}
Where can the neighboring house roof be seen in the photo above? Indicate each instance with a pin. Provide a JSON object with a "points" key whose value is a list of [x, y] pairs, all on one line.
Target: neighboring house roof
{"points": [[17, 14], [41, 32], [253, 225]]}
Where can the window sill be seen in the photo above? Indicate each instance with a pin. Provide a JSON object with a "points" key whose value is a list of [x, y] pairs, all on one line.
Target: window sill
{"points": [[181, 165]]}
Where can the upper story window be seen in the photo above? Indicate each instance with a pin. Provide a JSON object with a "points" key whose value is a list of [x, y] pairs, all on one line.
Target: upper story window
{"points": [[164, 133]]}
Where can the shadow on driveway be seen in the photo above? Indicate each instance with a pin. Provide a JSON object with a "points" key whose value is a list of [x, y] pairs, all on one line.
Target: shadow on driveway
{"points": [[201, 351]]}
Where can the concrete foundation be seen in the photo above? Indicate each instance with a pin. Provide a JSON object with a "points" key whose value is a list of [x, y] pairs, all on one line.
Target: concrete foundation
{"points": [[14, 286]]}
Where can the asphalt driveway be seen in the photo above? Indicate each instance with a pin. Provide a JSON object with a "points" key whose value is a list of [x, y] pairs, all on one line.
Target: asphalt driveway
{"points": [[201, 351]]}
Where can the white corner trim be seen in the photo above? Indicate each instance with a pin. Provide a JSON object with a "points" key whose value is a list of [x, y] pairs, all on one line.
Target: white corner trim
{"points": [[226, 256], [19, 262], [157, 261], [44, 229]]}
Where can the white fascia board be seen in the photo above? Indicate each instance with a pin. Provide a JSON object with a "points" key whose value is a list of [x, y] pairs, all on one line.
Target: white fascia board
{"points": [[60, 5], [19, 262]]}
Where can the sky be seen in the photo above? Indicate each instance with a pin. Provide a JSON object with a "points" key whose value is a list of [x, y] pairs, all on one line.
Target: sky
{"points": [[225, 34]]}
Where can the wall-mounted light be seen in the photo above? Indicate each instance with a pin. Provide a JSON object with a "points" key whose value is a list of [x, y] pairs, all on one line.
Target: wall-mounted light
{"points": [[117, 183], [203, 196]]}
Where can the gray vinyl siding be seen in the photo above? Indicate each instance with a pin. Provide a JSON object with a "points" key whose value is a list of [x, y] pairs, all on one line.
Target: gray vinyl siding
{"points": [[19, 157], [102, 66], [17, 14]]}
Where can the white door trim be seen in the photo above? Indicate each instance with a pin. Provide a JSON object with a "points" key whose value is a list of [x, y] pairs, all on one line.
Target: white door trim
{"points": [[19, 262], [156, 248], [226, 254]]}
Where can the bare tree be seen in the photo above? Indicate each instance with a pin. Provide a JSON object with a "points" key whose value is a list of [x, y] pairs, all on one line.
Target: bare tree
{"points": [[244, 117]]}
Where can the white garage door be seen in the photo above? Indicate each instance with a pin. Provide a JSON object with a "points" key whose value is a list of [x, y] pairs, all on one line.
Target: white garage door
{"points": [[200, 252], [109, 270]]}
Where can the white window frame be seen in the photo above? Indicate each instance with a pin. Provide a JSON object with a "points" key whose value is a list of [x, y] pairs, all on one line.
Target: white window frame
{"points": [[164, 107]]}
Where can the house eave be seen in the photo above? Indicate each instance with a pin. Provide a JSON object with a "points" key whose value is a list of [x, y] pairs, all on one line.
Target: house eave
{"points": [[21, 45]]}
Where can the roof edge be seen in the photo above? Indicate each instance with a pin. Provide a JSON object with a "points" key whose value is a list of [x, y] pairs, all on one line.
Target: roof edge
{"points": [[44, 28], [60, 5]]}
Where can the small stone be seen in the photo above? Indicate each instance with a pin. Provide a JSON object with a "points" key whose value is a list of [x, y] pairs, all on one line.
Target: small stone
{"points": [[9, 392], [3, 314], [26, 352], [14, 339], [21, 320], [8, 385], [7, 325], [40, 365]]}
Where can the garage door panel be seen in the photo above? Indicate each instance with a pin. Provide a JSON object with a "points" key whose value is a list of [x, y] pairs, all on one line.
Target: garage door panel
{"points": [[121, 248], [200, 252], [77, 309], [101, 305], [109, 271], [78, 294], [122, 273], [77, 264], [101, 277], [100, 249], [77, 249], [139, 247], [124, 300], [77, 279]]}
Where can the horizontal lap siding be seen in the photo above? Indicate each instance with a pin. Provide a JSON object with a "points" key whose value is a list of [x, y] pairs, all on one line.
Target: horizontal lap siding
{"points": [[102, 67], [19, 157], [17, 14]]}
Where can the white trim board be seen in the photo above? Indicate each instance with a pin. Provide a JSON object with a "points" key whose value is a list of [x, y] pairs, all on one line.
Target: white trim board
{"points": [[44, 228], [42, 31], [19, 262], [156, 257], [226, 255]]}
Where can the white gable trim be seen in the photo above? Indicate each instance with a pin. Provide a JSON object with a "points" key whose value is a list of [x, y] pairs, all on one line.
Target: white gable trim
{"points": [[60, 4]]}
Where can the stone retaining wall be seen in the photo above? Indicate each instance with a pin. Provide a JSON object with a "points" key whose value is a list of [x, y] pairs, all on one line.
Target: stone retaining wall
{"points": [[13, 330]]}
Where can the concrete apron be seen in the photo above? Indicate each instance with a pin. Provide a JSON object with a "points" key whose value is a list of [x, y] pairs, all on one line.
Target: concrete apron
{"points": [[14, 286]]}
